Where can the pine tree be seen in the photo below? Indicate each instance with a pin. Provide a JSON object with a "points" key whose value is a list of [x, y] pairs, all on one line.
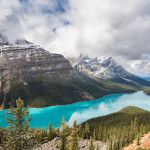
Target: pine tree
{"points": [[1, 135], [91, 146], [131, 136], [117, 145], [109, 145], [50, 134], [74, 137], [39, 136], [87, 130], [80, 130], [64, 134], [18, 135], [135, 129], [83, 134], [104, 135], [138, 140], [57, 131], [94, 135], [100, 133], [97, 147]]}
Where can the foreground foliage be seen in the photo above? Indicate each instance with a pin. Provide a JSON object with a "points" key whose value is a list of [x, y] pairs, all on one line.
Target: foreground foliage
{"points": [[18, 135], [74, 137], [117, 130], [64, 134]]}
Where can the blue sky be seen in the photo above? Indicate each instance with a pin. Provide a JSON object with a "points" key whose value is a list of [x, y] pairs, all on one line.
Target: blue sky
{"points": [[58, 9]]}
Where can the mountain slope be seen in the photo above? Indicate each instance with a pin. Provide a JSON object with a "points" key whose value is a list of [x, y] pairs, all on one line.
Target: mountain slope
{"points": [[67, 89], [121, 118], [106, 68], [146, 78], [23, 60], [121, 128], [42, 79]]}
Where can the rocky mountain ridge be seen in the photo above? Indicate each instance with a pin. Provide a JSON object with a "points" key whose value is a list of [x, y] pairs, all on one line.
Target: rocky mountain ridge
{"points": [[24, 60], [106, 68], [44, 79]]}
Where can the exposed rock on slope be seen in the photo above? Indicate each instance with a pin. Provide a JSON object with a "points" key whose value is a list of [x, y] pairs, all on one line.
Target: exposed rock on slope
{"points": [[83, 145], [44, 79], [24, 60], [106, 68], [144, 144]]}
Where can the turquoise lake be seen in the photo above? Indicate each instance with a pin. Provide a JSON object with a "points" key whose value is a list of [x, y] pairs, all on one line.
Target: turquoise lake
{"points": [[83, 111]]}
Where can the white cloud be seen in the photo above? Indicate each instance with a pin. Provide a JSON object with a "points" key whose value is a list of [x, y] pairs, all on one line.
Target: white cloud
{"points": [[84, 115], [119, 28], [140, 67]]}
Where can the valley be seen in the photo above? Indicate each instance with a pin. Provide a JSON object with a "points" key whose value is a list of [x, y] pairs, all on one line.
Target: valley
{"points": [[74, 75], [83, 111], [44, 79]]}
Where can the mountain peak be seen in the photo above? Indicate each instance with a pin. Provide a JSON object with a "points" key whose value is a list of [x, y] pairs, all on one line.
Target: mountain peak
{"points": [[3, 40], [106, 68]]}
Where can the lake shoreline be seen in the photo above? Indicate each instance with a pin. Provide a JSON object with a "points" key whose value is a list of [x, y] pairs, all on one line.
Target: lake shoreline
{"points": [[86, 100], [82, 111], [80, 101]]}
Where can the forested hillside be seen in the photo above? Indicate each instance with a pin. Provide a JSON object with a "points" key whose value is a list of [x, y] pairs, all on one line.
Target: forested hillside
{"points": [[113, 131], [120, 128], [46, 91], [146, 90]]}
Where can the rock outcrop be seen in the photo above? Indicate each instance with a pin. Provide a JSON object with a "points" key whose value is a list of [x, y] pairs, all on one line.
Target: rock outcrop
{"points": [[102, 67], [143, 144], [23, 60], [83, 145], [106, 68]]}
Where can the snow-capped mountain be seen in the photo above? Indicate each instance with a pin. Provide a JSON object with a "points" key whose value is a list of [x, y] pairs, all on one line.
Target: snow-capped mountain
{"points": [[43, 79], [20, 61], [106, 68]]}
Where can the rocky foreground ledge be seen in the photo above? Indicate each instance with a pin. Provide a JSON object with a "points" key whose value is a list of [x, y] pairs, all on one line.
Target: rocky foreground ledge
{"points": [[83, 145], [143, 144]]}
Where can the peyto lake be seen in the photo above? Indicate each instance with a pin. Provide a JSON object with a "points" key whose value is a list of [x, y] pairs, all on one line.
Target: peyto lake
{"points": [[83, 111]]}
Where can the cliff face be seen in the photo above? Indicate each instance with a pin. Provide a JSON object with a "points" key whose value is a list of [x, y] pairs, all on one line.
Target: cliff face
{"points": [[23, 60]]}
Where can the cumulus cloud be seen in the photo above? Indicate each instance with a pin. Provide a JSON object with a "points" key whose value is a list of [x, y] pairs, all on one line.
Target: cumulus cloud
{"points": [[140, 67], [119, 28], [105, 27]]}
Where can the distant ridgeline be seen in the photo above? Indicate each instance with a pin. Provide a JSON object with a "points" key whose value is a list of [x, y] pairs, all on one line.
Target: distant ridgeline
{"points": [[44, 79], [106, 68]]}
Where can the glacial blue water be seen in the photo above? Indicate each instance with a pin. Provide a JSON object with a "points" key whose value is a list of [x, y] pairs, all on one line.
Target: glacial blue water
{"points": [[83, 111]]}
